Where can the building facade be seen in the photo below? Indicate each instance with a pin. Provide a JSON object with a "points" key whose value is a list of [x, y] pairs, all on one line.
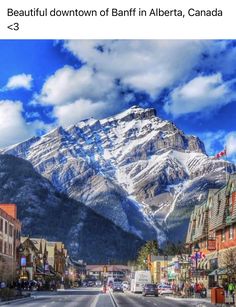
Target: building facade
{"points": [[101, 271], [40, 259], [213, 227], [10, 228]]}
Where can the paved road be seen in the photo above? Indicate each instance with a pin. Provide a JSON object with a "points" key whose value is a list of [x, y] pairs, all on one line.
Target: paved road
{"points": [[92, 297], [129, 299], [84, 297]]}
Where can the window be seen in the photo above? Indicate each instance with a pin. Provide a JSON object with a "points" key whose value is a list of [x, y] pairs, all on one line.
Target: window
{"points": [[10, 249], [1, 244], [231, 232], [10, 230], [218, 205], [6, 227], [223, 235], [1, 225], [5, 247]]}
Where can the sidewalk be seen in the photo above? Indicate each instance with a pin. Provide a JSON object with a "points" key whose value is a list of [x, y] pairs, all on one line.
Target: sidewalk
{"points": [[200, 302]]}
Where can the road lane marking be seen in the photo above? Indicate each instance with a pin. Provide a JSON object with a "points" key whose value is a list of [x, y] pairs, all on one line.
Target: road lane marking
{"points": [[113, 300], [94, 303]]}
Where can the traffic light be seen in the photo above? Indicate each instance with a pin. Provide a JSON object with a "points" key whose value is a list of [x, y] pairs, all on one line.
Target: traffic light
{"points": [[105, 269]]}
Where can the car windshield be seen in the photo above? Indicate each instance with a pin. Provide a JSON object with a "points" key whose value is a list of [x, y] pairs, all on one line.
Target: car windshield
{"points": [[151, 286]]}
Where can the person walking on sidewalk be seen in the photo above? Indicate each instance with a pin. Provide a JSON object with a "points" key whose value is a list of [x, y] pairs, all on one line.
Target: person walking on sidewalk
{"points": [[231, 289]]}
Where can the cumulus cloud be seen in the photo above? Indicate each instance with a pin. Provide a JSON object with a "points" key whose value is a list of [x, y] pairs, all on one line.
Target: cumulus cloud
{"points": [[146, 66], [13, 127], [80, 109], [19, 81], [200, 94], [69, 84], [112, 71]]}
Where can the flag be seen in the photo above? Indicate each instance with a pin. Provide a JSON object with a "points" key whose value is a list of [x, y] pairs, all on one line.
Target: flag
{"points": [[220, 154]]}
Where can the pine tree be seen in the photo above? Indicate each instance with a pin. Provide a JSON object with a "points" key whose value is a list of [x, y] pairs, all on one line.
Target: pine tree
{"points": [[150, 248]]}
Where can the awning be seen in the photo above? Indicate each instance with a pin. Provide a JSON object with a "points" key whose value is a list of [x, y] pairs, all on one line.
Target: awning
{"points": [[202, 263], [211, 256], [218, 272]]}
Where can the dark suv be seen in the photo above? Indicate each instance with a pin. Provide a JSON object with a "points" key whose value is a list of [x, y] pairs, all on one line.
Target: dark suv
{"points": [[150, 289]]}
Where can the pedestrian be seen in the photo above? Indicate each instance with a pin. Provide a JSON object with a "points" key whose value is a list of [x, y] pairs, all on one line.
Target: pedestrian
{"points": [[231, 289], [226, 290]]}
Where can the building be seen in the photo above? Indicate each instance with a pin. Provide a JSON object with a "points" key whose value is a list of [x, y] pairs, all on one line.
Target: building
{"points": [[10, 228], [159, 268], [40, 259], [55, 251], [212, 226], [101, 271]]}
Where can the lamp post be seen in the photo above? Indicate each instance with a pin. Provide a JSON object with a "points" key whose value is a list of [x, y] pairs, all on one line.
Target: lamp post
{"points": [[196, 250]]}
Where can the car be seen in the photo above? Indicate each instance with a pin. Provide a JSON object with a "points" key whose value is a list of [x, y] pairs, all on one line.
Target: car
{"points": [[125, 285], [98, 283], [165, 289], [90, 283], [150, 289], [117, 287]]}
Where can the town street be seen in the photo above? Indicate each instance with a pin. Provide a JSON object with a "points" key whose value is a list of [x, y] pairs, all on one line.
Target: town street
{"points": [[92, 297]]}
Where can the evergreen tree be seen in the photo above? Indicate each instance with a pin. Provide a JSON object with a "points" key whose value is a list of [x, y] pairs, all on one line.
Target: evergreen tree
{"points": [[150, 248]]}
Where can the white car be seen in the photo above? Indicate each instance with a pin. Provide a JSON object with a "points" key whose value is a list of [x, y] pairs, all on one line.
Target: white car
{"points": [[165, 289], [125, 285]]}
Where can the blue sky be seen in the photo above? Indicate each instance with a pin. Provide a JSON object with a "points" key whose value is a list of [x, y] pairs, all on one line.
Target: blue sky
{"points": [[46, 83]]}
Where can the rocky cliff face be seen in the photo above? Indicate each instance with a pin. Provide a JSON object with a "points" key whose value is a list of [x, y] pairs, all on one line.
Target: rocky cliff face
{"points": [[45, 212], [133, 168]]}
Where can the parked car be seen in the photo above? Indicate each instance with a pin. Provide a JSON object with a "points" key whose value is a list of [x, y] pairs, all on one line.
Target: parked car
{"points": [[117, 287], [165, 289], [150, 289]]}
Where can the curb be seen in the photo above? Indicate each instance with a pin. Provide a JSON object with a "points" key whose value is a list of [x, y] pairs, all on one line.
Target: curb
{"points": [[17, 300]]}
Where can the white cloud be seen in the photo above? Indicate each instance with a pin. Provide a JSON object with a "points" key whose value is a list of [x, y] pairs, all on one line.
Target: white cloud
{"points": [[13, 128], [231, 144], [19, 81], [200, 94], [69, 84], [80, 109], [220, 139], [213, 140], [147, 66]]}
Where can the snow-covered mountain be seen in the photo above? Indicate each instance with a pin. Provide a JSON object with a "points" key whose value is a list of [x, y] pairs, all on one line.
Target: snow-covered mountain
{"points": [[44, 212], [135, 169]]}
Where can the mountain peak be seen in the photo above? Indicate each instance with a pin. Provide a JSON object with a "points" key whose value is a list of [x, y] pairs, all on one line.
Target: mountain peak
{"points": [[135, 112]]}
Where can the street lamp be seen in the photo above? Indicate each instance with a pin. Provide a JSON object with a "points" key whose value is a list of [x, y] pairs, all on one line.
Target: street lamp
{"points": [[196, 250]]}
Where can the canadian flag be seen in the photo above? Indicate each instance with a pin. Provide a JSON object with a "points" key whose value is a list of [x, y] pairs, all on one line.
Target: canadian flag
{"points": [[220, 154]]}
